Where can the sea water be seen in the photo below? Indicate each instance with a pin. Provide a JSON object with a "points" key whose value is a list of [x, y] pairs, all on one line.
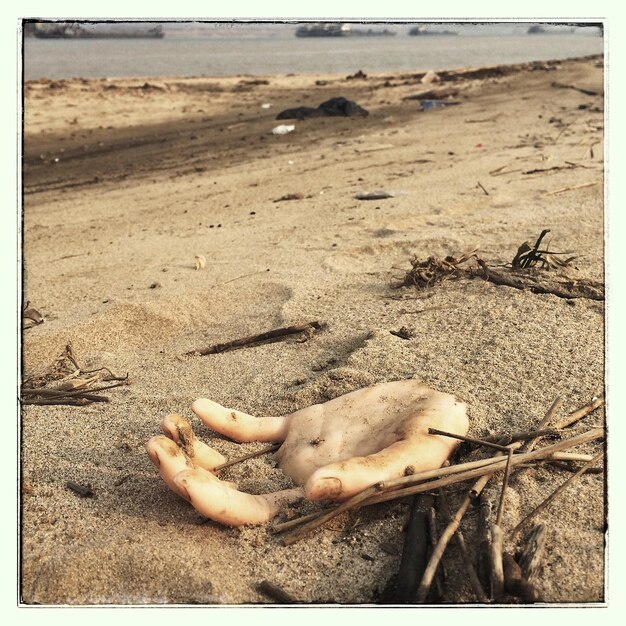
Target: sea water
{"points": [[283, 53]]}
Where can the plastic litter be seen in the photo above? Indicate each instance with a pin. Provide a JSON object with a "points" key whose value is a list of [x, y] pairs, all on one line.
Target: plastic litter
{"points": [[283, 129], [434, 104], [430, 77], [375, 195], [266, 105]]}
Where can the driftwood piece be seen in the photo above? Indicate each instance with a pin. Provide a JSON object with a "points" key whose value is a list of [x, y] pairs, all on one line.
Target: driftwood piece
{"points": [[444, 539], [414, 551], [587, 92], [472, 575], [273, 591], [496, 567], [441, 574], [514, 582], [484, 542], [277, 334], [531, 559], [568, 290]]}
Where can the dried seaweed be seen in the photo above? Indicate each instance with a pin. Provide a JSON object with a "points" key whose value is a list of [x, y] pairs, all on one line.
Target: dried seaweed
{"points": [[66, 382], [434, 270], [530, 255], [523, 274], [30, 316]]}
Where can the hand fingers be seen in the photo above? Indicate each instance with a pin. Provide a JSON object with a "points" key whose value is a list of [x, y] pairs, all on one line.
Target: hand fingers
{"points": [[178, 429], [339, 481], [416, 452], [240, 426], [168, 458], [221, 503]]}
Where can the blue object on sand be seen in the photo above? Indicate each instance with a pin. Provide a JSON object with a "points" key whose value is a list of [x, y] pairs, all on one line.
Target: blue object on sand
{"points": [[433, 104]]}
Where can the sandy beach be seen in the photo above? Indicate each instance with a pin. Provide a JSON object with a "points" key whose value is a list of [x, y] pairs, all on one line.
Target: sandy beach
{"points": [[127, 181]]}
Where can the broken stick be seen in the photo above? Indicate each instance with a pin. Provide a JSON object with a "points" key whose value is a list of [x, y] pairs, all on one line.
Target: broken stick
{"points": [[557, 491], [582, 412], [415, 550], [245, 457], [270, 336], [532, 554]]}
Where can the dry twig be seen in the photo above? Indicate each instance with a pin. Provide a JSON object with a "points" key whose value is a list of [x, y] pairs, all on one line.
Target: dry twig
{"points": [[532, 554], [245, 457], [544, 423], [415, 550], [571, 188], [277, 334], [582, 412], [479, 592], [556, 492], [421, 482]]}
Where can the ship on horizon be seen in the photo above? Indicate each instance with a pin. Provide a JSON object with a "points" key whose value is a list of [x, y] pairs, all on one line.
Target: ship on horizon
{"points": [[334, 29], [422, 30], [74, 30]]}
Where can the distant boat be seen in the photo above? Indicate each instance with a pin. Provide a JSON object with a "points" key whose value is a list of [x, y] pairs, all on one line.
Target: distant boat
{"points": [[422, 30], [333, 29], [537, 29], [63, 30]]}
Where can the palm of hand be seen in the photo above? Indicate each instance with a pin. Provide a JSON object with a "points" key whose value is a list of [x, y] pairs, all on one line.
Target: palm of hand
{"points": [[334, 450]]}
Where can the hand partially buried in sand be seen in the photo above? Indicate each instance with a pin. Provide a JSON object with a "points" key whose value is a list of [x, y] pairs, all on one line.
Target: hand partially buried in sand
{"points": [[334, 450]]}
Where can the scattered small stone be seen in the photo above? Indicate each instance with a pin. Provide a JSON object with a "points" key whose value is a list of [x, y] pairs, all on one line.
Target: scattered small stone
{"points": [[290, 196], [403, 333], [155, 285], [84, 491]]}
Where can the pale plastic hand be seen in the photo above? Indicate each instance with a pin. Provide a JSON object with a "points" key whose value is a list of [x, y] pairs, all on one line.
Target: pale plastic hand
{"points": [[334, 450]]}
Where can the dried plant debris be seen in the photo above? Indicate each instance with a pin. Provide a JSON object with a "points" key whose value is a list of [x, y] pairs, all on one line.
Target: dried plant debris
{"points": [[511, 577], [66, 382], [290, 196], [523, 274], [434, 270], [530, 255], [30, 317]]}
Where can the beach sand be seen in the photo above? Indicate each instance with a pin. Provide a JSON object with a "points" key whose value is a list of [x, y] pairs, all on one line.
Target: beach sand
{"points": [[125, 181]]}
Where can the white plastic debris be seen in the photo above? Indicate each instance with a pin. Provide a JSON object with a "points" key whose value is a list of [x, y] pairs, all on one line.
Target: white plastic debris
{"points": [[430, 77], [375, 195], [200, 261], [283, 129], [266, 105]]}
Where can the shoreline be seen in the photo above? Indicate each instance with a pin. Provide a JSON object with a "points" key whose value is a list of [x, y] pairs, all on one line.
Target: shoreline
{"points": [[110, 235]]}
